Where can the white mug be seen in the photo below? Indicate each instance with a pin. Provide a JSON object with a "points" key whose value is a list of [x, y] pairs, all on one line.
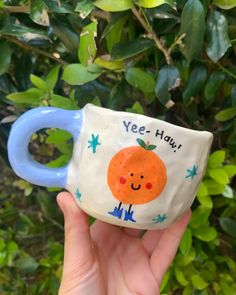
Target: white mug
{"points": [[126, 169]]}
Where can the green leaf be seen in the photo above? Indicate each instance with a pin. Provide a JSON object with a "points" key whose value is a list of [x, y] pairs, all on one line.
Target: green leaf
{"points": [[2, 244], [165, 280], [195, 83], [105, 61], [5, 57], [205, 201], [114, 31], [26, 33], [219, 175], [141, 143], [39, 13], [27, 264], [217, 36], [233, 95], [187, 290], [180, 277], [205, 233], [150, 98], [167, 80], [64, 147], [193, 26], [62, 102], [225, 4], [77, 74], [59, 7], [129, 49], [84, 8], [200, 216], [228, 192], [198, 282], [57, 136], [232, 137], [230, 262], [24, 185], [68, 36], [154, 3], [38, 82], [111, 5], [32, 96], [52, 77], [145, 146], [12, 250], [140, 79], [87, 46], [24, 224], [47, 204], [12, 247], [183, 260], [213, 187], [216, 159], [230, 170], [228, 225], [211, 265], [3, 255], [226, 285], [151, 147], [186, 242], [202, 191], [226, 115], [96, 101], [136, 108], [212, 86], [60, 161]]}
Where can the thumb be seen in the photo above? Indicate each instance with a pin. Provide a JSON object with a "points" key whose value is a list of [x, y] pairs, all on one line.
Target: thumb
{"points": [[78, 250]]}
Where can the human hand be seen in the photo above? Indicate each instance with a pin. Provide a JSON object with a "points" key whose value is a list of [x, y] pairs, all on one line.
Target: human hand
{"points": [[105, 259]]}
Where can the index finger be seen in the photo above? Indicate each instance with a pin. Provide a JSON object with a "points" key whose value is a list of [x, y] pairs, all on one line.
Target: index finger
{"points": [[167, 246]]}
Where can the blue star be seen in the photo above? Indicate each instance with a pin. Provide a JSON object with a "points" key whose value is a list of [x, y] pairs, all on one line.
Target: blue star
{"points": [[94, 143], [192, 172], [78, 195], [160, 218]]}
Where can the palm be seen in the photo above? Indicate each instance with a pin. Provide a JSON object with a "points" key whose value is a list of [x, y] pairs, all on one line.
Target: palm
{"points": [[108, 260], [124, 260]]}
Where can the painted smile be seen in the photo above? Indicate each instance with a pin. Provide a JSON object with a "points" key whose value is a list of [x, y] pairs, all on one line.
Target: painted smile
{"points": [[135, 188]]}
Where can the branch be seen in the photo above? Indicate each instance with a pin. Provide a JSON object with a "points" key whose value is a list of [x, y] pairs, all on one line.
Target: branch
{"points": [[34, 49], [178, 41], [153, 36], [101, 14]]}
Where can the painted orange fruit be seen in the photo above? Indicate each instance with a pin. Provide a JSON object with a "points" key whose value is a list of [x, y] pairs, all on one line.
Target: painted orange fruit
{"points": [[136, 175]]}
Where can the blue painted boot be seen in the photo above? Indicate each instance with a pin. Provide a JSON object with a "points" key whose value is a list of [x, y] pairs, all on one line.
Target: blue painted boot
{"points": [[117, 212], [129, 216]]}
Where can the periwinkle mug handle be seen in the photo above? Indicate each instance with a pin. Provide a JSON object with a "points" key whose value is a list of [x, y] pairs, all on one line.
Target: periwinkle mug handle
{"points": [[20, 159]]}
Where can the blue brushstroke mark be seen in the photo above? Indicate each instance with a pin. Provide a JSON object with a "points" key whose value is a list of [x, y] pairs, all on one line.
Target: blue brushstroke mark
{"points": [[192, 172], [160, 218], [93, 143], [78, 195]]}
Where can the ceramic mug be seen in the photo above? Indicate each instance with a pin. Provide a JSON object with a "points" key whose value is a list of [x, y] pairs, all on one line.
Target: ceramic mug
{"points": [[126, 169]]}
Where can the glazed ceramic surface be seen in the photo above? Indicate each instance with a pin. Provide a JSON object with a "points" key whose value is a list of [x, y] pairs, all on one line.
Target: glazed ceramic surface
{"points": [[126, 169]]}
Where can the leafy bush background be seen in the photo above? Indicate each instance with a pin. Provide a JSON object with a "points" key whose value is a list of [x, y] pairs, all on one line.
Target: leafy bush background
{"points": [[173, 60]]}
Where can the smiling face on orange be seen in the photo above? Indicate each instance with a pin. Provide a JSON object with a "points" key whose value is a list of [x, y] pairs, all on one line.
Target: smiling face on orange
{"points": [[136, 175]]}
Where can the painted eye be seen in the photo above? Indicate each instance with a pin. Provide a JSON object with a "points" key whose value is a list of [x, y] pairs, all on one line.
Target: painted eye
{"points": [[148, 185], [132, 174], [142, 176], [122, 180]]}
